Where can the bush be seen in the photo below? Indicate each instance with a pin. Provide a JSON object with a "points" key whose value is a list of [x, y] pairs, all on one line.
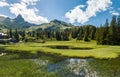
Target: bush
{"points": [[30, 39]]}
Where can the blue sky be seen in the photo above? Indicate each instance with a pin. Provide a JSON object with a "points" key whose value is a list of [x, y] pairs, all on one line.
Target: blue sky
{"points": [[76, 12]]}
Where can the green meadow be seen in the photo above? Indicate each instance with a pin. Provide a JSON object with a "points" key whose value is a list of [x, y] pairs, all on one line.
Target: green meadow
{"points": [[67, 48]]}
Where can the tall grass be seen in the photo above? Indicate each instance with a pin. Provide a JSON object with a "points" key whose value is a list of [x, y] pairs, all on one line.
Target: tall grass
{"points": [[11, 66]]}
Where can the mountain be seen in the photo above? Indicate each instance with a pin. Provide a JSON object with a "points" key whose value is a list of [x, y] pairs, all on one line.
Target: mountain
{"points": [[53, 25], [20, 24], [17, 22], [2, 18], [19, 19]]}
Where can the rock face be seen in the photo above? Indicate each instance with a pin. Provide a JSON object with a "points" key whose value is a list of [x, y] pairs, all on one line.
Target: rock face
{"points": [[73, 68], [19, 18]]}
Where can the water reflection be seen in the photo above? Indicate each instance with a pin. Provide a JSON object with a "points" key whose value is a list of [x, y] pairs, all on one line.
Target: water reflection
{"points": [[73, 68], [85, 67]]}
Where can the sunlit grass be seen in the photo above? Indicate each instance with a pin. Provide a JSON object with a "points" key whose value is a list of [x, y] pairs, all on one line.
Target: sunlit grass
{"points": [[98, 51]]}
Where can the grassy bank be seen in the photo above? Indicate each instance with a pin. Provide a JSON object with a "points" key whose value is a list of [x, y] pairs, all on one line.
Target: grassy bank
{"points": [[106, 67], [12, 66]]}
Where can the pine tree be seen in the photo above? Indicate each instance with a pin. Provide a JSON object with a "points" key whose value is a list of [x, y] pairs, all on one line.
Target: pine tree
{"points": [[16, 36], [92, 35], [23, 35], [58, 35], [102, 35], [118, 29], [97, 35], [66, 36], [37, 35], [74, 33], [112, 31], [33, 33], [10, 33], [106, 28], [80, 34], [86, 34], [112, 26]]}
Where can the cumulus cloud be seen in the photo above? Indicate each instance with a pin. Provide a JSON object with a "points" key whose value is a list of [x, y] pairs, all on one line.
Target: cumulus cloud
{"points": [[3, 3], [3, 15], [22, 8], [30, 2], [78, 14], [114, 13], [29, 14]]}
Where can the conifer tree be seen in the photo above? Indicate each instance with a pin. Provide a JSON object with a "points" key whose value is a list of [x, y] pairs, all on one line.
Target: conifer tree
{"points": [[16, 36], [66, 36], [92, 35], [80, 34], [59, 35], [23, 35], [10, 33], [74, 33], [86, 34], [118, 26], [97, 35], [112, 31], [106, 28]]}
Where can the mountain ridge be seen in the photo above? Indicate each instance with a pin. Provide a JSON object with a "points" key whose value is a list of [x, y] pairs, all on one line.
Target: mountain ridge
{"points": [[53, 25], [21, 24], [17, 22]]}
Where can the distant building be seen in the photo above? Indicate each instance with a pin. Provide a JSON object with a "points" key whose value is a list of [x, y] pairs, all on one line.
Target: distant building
{"points": [[4, 38]]}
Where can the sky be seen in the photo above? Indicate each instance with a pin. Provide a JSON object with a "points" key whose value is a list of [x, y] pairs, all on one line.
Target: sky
{"points": [[77, 12]]}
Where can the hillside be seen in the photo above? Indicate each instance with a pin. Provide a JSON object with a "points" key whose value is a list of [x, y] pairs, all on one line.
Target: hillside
{"points": [[53, 25]]}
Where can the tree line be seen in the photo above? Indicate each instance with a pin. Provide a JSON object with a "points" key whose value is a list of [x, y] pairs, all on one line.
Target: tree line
{"points": [[107, 34], [85, 33]]}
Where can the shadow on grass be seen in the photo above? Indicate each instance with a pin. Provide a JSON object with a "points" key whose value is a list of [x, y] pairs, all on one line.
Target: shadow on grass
{"points": [[68, 47], [50, 56], [28, 55]]}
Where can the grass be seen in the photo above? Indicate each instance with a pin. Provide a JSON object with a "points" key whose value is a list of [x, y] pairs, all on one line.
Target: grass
{"points": [[106, 67], [98, 51], [11, 66]]}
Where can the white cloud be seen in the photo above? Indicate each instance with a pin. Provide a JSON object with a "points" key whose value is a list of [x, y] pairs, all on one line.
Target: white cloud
{"points": [[114, 13], [3, 15], [93, 7], [30, 2], [29, 14], [3, 3]]}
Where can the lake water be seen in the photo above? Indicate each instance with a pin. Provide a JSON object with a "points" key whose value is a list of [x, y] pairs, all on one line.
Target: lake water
{"points": [[75, 67]]}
